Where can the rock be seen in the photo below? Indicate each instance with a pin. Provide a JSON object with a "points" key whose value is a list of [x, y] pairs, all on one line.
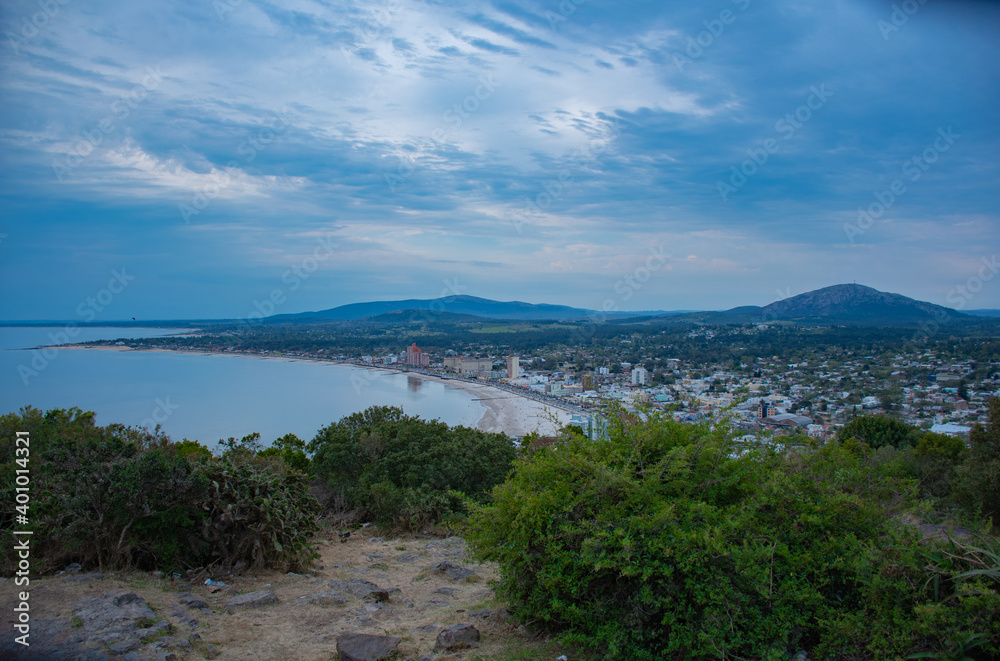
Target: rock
{"points": [[113, 611], [211, 651], [453, 572], [366, 647], [325, 598], [446, 591], [124, 646], [186, 599], [73, 568], [456, 637], [183, 617], [360, 588], [81, 578], [251, 600]]}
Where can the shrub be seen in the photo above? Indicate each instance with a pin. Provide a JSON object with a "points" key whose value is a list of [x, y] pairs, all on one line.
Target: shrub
{"points": [[879, 431], [404, 471], [669, 541], [116, 497], [977, 480]]}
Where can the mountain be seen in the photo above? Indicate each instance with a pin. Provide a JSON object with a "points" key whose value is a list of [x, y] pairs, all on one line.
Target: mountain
{"points": [[844, 304], [459, 305], [839, 304]]}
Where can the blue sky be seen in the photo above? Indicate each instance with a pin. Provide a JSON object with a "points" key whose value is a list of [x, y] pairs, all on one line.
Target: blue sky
{"points": [[213, 158]]}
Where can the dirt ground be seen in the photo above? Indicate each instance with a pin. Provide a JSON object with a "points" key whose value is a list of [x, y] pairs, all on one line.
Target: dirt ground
{"points": [[426, 601]]}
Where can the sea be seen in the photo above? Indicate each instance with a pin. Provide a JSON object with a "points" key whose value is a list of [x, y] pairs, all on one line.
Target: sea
{"points": [[206, 397]]}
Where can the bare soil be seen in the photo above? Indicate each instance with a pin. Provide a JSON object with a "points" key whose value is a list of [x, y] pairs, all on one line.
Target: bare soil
{"points": [[426, 601]]}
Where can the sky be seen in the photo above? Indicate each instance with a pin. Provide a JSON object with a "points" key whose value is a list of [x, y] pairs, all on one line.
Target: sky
{"points": [[232, 158]]}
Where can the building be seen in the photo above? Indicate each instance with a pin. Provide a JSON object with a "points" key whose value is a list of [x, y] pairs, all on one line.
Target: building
{"points": [[640, 376], [765, 409], [513, 368], [416, 357], [468, 365]]}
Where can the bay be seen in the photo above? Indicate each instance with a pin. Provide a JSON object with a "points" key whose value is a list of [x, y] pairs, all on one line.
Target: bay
{"points": [[207, 397]]}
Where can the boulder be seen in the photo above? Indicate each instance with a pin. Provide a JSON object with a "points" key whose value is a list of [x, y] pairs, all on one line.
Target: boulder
{"points": [[366, 647], [453, 571], [456, 637], [251, 600]]}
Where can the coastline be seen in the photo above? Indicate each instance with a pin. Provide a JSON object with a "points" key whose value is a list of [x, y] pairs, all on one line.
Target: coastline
{"points": [[504, 411]]}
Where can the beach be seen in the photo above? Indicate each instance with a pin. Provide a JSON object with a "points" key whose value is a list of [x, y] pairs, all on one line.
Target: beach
{"points": [[505, 412]]}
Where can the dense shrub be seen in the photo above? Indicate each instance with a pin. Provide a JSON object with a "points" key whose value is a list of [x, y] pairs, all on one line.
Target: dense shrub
{"points": [[404, 471], [879, 431], [977, 479], [668, 541], [116, 496]]}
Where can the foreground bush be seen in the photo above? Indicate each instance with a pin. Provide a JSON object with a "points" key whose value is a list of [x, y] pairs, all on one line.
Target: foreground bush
{"points": [[667, 541], [403, 471], [122, 497]]}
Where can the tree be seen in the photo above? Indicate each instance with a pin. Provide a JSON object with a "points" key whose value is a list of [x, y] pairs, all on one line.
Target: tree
{"points": [[978, 478], [879, 431], [963, 390], [291, 450]]}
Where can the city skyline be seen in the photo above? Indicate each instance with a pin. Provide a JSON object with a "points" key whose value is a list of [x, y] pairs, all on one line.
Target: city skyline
{"points": [[188, 159]]}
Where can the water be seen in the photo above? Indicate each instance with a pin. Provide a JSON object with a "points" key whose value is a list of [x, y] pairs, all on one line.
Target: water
{"points": [[207, 397]]}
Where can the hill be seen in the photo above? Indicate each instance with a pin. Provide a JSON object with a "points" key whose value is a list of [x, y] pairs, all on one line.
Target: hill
{"points": [[455, 305]]}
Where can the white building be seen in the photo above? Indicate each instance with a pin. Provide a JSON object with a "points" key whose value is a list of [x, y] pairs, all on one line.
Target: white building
{"points": [[640, 376], [513, 369]]}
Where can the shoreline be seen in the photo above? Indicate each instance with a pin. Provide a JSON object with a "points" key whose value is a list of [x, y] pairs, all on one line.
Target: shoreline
{"points": [[504, 411]]}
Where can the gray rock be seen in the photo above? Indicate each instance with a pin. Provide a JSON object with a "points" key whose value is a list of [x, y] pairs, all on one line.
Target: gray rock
{"points": [[456, 637], [82, 578], [366, 647], [123, 646], [326, 598], [186, 599], [251, 600], [446, 591], [73, 568], [453, 572], [360, 588], [114, 612]]}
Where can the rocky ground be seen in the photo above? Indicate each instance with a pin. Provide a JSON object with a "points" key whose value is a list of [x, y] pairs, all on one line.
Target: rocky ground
{"points": [[420, 597]]}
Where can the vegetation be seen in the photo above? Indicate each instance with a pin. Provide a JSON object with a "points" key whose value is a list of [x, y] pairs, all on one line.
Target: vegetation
{"points": [[671, 541], [117, 496], [403, 471]]}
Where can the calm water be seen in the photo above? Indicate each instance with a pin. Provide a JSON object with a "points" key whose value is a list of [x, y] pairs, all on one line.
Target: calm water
{"points": [[204, 397]]}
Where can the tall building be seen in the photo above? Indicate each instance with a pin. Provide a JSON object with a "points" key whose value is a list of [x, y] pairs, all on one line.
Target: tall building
{"points": [[513, 369], [639, 376], [414, 356]]}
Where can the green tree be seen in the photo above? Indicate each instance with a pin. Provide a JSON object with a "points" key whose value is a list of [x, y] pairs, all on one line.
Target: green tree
{"points": [[291, 450], [406, 471], [879, 431], [978, 478]]}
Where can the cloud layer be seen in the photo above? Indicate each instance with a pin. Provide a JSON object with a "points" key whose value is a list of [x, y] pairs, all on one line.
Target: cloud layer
{"points": [[523, 150]]}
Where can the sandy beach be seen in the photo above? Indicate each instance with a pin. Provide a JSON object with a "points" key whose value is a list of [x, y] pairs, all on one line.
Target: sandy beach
{"points": [[506, 412]]}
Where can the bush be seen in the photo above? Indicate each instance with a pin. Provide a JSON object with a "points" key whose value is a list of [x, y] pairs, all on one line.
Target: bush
{"points": [[121, 497], [977, 479], [669, 541], [879, 431], [404, 471]]}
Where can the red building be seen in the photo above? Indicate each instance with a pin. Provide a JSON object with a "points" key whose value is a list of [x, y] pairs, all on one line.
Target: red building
{"points": [[416, 357]]}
